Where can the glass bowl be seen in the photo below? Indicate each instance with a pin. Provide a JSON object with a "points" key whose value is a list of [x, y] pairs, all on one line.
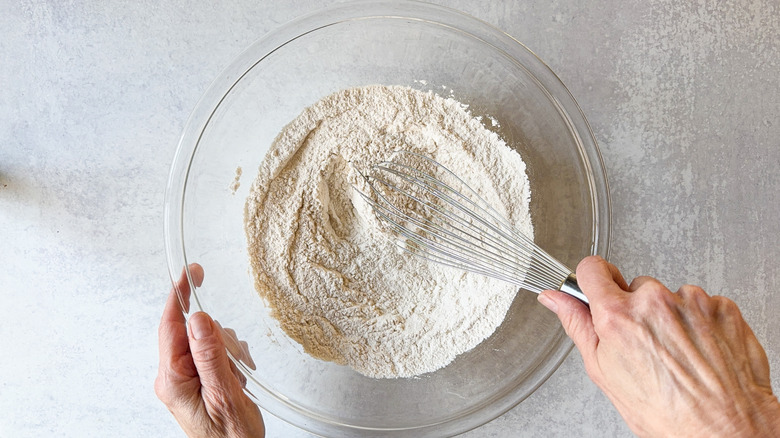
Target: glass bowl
{"points": [[393, 43]]}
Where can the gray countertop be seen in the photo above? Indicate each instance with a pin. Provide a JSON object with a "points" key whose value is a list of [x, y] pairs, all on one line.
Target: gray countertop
{"points": [[683, 97]]}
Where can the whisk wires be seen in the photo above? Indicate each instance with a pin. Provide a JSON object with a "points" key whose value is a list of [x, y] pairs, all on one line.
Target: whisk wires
{"points": [[437, 216]]}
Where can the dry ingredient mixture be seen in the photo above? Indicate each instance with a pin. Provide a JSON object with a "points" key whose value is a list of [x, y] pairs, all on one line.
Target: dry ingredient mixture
{"points": [[330, 272], [236, 183]]}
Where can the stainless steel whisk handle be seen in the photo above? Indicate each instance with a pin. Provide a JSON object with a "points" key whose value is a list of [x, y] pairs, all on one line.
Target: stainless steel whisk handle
{"points": [[570, 287]]}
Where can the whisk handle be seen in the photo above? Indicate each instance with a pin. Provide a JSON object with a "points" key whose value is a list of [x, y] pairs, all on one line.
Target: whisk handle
{"points": [[570, 286]]}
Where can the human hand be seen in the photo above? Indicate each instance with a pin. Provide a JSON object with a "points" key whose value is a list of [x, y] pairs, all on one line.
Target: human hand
{"points": [[196, 380], [673, 364]]}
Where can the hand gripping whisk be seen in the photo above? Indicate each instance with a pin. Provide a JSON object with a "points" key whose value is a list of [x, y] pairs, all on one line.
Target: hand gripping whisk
{"points": [[439, 217]]}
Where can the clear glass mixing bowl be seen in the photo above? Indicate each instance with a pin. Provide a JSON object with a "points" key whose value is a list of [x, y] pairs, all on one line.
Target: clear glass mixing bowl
{"points": [[387, 42]]}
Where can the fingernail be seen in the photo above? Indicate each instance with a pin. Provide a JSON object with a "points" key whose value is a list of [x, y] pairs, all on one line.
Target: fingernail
{"points": [[200, 325], [547, 302]]}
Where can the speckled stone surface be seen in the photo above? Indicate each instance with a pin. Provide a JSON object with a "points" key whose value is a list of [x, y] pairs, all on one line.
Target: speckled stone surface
{"points": [[683, 98]]}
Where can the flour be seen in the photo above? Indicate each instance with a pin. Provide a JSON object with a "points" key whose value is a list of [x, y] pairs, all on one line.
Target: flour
{"points": [[332, 275], [236, 183]]}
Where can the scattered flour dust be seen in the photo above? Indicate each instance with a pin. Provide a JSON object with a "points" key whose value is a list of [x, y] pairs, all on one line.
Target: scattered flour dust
{"points": [[332, 275], [236, 183]]}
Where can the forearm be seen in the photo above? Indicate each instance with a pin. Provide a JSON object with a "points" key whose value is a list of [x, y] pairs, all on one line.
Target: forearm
{"points": [[765, 422], [735, 413]]}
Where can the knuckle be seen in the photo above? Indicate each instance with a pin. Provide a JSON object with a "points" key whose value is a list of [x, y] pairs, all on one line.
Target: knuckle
{"points": [[691, 290], [652, 296], [655, 295], [643, 283], [726, 306], [656, 304], [210, 356], [723, 301], [610, 320], [694, 296]]}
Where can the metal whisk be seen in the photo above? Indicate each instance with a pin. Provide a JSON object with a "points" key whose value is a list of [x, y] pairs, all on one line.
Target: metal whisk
{"points": [[440, 218]]}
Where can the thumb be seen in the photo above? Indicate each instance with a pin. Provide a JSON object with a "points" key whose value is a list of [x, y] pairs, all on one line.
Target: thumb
{"points": [[208, 353], [575, 318]]}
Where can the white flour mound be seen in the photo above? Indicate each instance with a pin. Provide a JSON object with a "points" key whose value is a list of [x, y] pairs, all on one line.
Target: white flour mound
{"points": [[333, 277]]}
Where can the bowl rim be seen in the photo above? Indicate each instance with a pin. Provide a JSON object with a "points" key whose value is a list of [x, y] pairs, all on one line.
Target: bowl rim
{"points": [[546, 79]]}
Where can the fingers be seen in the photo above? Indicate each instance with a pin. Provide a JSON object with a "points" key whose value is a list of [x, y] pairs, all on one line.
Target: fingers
{"points": [[247, 358], [238, 374], [173, 311], [239, 349], [600, 280], [218, 383], [196, 271], [172, 331], [742, 340], [173, 371], [576, 320], [183, 287], [758, 360]]}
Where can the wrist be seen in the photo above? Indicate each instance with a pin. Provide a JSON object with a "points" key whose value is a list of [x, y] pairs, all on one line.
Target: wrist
{"points": [[764, 421], [773, 419]]}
